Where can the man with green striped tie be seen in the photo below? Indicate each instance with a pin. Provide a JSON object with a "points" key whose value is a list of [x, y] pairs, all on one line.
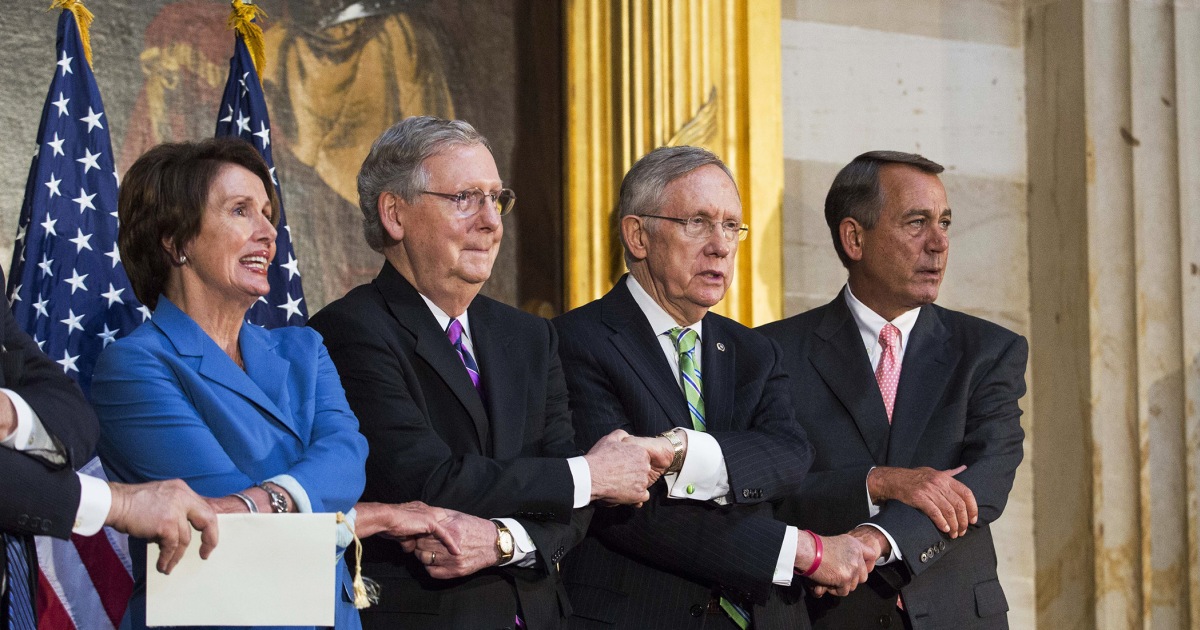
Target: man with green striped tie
{"points": [[649, 358]]}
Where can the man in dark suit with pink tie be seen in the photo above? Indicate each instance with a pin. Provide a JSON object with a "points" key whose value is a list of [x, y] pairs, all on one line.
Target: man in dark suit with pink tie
{"points": [[911, 408]]}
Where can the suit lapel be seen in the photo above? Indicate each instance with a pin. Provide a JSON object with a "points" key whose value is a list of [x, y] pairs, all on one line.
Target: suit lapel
{"points": [[840, 358], [503, 382], [718, 359], [638, 344], [928, 364], [413, 315], [213, 364]]}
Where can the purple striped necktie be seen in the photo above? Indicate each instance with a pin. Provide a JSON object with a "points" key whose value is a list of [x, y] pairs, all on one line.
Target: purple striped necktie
{"points": [[454, 332]]}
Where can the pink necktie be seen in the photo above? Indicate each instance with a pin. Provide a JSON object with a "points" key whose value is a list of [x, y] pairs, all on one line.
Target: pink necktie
{"points": [[887, 374]]}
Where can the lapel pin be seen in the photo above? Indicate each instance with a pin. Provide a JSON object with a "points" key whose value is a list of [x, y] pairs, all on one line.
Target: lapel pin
{"points": [[720, 346]]}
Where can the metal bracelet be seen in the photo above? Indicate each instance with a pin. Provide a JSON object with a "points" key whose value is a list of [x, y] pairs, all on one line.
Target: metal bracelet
{"points": [[249, 504]]}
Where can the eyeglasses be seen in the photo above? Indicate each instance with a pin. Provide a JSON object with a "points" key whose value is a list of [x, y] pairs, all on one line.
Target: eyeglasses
{"points": [[702, 228], [468, 203]]}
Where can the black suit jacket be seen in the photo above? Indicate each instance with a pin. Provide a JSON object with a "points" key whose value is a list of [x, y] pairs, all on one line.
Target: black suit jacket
{"points": [[651, 567], [433, 439], [956, 404], [37, 497]]}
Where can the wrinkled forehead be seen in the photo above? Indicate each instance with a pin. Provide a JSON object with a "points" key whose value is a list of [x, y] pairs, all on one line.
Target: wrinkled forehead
{"points": [[705, 191]]}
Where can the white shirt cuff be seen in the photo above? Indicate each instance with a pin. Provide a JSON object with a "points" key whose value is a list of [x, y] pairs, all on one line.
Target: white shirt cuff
{"points": [[895, 553], [95, 500], [293, 487], [703, 476], [523, 547], [581, 474], [786, 564], [872, 509], [19, 438]]}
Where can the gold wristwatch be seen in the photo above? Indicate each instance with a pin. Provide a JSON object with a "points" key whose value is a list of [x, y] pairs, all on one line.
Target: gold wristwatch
{"points": [[677, 444], [504, 542]]}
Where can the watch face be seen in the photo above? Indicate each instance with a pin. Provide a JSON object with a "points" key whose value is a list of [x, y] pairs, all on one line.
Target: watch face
{"points": [[506, 542]]}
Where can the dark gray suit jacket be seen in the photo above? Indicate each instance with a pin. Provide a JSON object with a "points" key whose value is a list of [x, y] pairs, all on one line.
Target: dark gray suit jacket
{"points": [[433, 439], [653, 567], [37, 497], [956, 404]]}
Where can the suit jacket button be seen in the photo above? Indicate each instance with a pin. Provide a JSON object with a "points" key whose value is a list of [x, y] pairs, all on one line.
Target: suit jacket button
{"points": [[942, 546], [746, 492], [45, 525], [22, 519], [696, 610], [885, 620], [925, 557]]}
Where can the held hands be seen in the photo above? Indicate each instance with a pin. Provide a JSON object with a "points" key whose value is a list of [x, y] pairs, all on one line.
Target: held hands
{"points": [[475, 549], [164, 512], [845, 563], [621, 470], [405, 522], [945, 500], [660, 451]]}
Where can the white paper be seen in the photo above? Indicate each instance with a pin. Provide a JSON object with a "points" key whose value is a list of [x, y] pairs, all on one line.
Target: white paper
{"points": [[267, 569]]}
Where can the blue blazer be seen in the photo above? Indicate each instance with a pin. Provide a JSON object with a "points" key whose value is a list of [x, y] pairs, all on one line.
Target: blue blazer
{"points": [[172, 404]]}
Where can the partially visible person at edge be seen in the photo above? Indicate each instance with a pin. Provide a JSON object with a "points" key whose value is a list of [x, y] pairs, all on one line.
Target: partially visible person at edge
{"points": [[255, 419]]}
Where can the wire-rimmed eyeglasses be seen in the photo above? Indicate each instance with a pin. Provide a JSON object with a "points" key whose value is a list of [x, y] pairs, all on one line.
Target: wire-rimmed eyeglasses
{"points": [[468, 203], [701, 227]]}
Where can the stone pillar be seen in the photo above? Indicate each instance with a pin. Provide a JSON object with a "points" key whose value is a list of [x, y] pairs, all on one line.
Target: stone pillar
{"points": [[1113, 243]]}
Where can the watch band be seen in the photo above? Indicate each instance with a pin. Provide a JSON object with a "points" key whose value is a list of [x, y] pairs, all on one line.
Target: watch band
{"points": [[677, 444], [505, 544], [279, 503]]}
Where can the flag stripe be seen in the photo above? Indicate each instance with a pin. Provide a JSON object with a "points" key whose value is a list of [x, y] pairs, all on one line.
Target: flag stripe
{"points": [[64, 572], [51, 613], [105, 568]]}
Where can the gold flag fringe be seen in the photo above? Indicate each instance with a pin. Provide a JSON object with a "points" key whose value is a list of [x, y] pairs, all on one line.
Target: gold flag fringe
{"points": [[83, 17], [241, 19], [360, 589]]}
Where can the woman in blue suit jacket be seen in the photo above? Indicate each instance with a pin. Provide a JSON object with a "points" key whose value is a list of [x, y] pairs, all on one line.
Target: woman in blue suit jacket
{"points": [[255, 418]]}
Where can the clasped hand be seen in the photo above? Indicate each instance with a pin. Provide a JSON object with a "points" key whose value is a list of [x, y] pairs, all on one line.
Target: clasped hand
{"points": [[623, 467]]}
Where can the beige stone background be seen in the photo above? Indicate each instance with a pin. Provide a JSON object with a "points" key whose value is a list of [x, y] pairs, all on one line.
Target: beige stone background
{"points": [[1069, 129]]}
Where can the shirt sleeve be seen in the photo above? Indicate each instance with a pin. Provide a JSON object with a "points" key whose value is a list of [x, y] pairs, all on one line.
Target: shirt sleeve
{"points": [[785, 565], [581, 474], [703, 476], [30, 434], [95, 500]]}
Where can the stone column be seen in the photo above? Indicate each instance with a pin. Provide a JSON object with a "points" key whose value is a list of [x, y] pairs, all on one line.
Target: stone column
{"points": [[1113, 112]]}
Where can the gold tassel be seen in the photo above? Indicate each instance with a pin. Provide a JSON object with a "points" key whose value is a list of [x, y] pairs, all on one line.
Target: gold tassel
{"points": [[360, 590], [83, 17], [241, 19]]}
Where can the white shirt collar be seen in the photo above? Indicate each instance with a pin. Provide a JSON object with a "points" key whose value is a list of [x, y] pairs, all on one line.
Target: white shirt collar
{"points": [[870, 323], [660, 321], [443, 319]]}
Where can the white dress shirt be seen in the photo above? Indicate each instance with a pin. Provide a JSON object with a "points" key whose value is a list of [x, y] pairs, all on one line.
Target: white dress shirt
{"points": [[870, 324], [581, 474], [703, 476]]}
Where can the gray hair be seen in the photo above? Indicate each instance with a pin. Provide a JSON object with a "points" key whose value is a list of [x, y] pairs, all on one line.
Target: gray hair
{"points": [[396, 164], [644, 184], [856, 194]]}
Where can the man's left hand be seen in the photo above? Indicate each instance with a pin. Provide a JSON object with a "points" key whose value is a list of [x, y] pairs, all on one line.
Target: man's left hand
{"points": [[476, 538]]}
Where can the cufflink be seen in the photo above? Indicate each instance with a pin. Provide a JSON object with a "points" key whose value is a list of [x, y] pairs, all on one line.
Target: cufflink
{"points": [[691, 488]]}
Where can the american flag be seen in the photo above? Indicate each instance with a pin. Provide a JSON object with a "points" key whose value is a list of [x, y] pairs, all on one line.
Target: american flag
{"points": [[68, 290], [244, 115]]}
